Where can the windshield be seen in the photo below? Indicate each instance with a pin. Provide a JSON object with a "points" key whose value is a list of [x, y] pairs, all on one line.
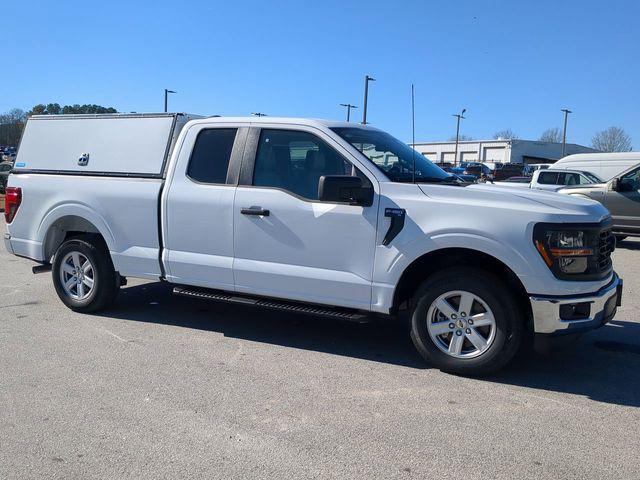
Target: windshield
{"points": [[393, 157]]}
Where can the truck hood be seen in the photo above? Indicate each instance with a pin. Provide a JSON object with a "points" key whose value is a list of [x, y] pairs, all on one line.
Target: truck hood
{"points": [[515, 198]]}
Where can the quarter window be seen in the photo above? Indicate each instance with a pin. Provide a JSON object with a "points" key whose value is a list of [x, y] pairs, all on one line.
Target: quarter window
{"points": [[548, 178], [295, 161], [211, 153]]}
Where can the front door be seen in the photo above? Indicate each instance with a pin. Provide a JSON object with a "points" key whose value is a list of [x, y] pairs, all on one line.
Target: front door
{"points": [[624, 204], [288, 244]]}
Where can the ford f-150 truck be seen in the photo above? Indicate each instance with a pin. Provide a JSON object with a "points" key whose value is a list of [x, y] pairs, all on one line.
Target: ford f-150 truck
{"points": [[313, 216]]}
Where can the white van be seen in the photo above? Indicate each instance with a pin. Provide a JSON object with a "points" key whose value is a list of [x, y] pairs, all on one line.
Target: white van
{"points": [[604, 165]]}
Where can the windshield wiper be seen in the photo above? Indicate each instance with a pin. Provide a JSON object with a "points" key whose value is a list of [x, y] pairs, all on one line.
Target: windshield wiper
{"points": [[451, 180]]}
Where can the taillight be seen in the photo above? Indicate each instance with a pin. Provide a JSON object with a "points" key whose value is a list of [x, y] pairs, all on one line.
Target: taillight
{"points": [[12, 201]]}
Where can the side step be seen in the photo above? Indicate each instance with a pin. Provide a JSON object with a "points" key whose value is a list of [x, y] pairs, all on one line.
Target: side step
{"points": [[273, 304]]}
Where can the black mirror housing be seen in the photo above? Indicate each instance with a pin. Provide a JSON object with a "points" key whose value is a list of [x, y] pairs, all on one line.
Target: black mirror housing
{"points": [[344, 189], [615, 184]]}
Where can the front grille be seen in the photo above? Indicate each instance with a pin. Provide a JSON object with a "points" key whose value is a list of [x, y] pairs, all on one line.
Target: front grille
{"points": [[605, 246]]}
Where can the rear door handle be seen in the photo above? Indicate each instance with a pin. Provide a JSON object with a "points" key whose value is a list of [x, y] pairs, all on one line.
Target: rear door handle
{"points": [[258, 211]]}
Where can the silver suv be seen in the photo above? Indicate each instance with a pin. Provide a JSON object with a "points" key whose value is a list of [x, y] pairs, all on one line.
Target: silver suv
{"points": [[621, 195]]}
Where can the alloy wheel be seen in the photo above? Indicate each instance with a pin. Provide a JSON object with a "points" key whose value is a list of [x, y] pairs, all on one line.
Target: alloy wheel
{"points": [[461, 324]]}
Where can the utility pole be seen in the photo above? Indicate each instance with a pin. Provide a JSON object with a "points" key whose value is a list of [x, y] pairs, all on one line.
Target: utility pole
{"points": [[459, 116], [564, 130], [349, 107], [367, 79], [166, 97]]}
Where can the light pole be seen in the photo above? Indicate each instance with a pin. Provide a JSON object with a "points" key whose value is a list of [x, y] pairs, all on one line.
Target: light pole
{"points": [[564, 130], [349, 107], [367, 79], [459, 116], [166, 97]]}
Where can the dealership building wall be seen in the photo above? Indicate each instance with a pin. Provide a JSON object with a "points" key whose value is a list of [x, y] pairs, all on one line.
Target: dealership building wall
{"points": [[505, 151]]}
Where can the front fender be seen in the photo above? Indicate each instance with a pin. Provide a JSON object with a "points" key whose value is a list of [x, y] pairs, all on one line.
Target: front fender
{"points": [[408, 253]]}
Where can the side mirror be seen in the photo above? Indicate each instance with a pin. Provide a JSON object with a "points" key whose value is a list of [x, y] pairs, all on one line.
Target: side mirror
{"points": [[615, 184], [344, 189]]}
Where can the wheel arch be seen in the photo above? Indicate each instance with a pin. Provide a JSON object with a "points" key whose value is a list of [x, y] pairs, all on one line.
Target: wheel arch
{"points": [[65, 222], [437, 260]]}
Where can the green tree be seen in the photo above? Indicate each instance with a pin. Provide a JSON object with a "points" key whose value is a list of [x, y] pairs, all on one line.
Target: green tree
{"points": [[56, 109]]}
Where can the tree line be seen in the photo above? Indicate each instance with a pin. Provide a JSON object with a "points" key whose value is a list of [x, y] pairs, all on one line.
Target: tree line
{"points": [[12, 122]]}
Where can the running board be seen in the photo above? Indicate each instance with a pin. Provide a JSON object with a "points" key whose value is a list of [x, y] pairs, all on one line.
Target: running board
{"points": [[220, 296]]}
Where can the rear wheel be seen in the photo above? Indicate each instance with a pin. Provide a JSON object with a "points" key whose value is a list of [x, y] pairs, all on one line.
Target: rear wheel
{"points": [[466, 321], [83, 274]]}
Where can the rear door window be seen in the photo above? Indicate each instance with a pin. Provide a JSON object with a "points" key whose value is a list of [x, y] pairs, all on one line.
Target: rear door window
{"points": [[210, 156]]}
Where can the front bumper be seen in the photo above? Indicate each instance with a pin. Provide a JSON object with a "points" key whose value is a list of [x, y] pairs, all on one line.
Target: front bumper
{"points": [[548, 312]]}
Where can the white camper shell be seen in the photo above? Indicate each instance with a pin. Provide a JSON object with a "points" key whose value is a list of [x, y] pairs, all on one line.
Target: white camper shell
{"points": [[115, 144]]}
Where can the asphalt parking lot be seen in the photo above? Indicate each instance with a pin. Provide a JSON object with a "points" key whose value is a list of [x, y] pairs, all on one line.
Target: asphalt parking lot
{"points": [[168, 387]]}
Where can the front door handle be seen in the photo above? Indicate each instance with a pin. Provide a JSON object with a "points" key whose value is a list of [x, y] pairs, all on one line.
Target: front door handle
{"points": [[258, 211]]}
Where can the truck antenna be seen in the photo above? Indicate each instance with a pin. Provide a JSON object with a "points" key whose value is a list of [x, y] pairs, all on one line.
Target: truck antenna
{"points": [[413, 131]]}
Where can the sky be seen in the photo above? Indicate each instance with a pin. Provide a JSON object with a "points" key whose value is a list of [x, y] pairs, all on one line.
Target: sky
{"points": [[511, 64]]}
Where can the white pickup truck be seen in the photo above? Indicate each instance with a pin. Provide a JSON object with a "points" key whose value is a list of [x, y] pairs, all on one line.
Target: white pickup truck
{"points": [[313, 216], [553, 180]]}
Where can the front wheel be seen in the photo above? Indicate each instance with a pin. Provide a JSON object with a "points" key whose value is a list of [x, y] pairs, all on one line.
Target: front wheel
{"points": [[466, 321], [83, 274]]}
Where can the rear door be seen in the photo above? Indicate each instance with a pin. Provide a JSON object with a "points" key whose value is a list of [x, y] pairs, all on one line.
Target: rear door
{"points": [[198, 207], [288, 244]]}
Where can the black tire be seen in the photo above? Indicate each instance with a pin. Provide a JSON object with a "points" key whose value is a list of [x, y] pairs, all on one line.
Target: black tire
{"points": [[106, 281], [509, 329], [620, 238]]}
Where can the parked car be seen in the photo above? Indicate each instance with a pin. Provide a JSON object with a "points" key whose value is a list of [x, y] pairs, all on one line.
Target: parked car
{"points": [[350, 231], [517, 179], [478, 169], [9, 157], [604, 165], [5, 169], [503, 171], [553, 180], [444, 165], [466, 178], [529, 169], [620, 195]]}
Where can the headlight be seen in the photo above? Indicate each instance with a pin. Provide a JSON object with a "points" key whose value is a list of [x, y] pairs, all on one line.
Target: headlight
{"points": [[572, 252]]}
